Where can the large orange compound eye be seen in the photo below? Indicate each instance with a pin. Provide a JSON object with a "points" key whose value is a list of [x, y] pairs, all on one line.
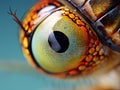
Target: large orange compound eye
{"points": [[56, 39]]}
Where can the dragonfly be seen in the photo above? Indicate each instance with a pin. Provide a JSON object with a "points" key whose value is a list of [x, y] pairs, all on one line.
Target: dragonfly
{"points": [[90, 42]]}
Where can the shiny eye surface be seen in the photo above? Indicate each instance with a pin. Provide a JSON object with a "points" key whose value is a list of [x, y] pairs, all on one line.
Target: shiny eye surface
{"points": [[58, 40], [59, 46]]}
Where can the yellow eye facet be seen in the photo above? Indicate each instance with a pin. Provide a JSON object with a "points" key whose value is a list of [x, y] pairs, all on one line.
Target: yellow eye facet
{"points": [[58, 44]]}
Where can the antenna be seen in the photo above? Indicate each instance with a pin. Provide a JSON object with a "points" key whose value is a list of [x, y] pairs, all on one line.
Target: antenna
{"points": [[16, 19]]}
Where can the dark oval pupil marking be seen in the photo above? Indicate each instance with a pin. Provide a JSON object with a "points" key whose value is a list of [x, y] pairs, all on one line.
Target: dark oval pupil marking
{"points": [[58, 41]]}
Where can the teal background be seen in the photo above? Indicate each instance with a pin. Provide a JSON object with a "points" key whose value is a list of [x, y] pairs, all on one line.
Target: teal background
{"points": [[15, 72]]}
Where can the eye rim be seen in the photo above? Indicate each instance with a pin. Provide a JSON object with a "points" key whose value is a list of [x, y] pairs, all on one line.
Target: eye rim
{"points": [[72, 72]]}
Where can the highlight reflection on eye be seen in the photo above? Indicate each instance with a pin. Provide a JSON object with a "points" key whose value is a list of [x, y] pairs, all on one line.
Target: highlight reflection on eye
{"points": [[57, 40]]}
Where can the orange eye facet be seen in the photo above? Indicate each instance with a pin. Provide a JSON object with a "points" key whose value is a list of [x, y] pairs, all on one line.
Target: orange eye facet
{"points": [[50, 18]]}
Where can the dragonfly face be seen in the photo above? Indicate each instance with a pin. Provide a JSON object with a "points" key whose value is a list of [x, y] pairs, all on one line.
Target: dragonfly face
{"points": [[72, 38]]}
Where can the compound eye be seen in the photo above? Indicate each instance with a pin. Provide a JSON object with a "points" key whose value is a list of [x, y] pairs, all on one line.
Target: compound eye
{"points": [[58, 44], [57, 40]]}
